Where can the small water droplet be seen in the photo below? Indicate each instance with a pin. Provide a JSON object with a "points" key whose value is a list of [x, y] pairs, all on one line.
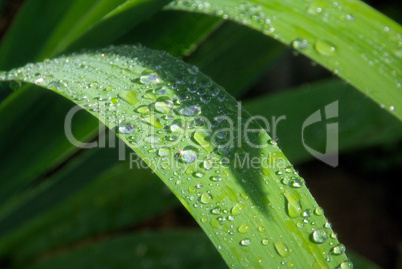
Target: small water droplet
{"points": [[319, 211], [245, 242], [346, 265], [191, 110], [126, 128], [265, 241], [216, 179], [188, 155], [163, 152], [338, 250], [299, 44], [152, 139]]}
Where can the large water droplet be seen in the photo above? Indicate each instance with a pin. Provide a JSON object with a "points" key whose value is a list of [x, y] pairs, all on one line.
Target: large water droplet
{"points": [[188, 155], [319, 236], [281, 248]]}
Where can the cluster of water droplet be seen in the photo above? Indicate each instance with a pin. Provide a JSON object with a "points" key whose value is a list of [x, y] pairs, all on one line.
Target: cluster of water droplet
{"points": [[160, 106]]}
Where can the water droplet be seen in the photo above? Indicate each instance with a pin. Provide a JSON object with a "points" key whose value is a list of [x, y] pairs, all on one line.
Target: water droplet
{"points": [[244, 228], [398, 53], [215, 223], [188, 155], [245, 242], [163, 152], [265, 241], [193, 70], [191, 110], [129, 96], [261, 229], [115, 101], [216, 211], [299, 44], [281, 248], [198, 174], [346, 265], [206, 198], [202, 138], [319, 236], [148, 77], [152, 120], [164, 106], [208, 164], [319, 211], [152, 139], [126, 128], [338, 250], [143, 110], [324, 48], [237, 209], [213, 178], [292, 206]]}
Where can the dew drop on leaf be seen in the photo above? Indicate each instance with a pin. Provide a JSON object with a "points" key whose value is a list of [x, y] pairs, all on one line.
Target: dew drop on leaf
{"points": [[245, 242], [126, 128], [324, 48], [281, 248], [244, 228], [206, 198], [188, 155], [319, 236], [191, 110], [338, 250], [346, 265]]}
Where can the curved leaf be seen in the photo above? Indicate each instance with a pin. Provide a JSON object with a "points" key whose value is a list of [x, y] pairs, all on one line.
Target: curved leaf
{"points": [[214, 157], [348, 37]]}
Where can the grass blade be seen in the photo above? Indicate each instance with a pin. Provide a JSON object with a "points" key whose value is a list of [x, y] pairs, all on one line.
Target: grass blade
{"points": [[359, 126], [146, 250], [348, 37], [165, 111], [76, 204]]}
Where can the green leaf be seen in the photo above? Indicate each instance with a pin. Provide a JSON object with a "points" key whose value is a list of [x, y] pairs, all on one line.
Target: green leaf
{"points": [[244, 210], [146, 250], [35, 140], [69, 24], [76, 204], [353, 40], [359, 126], [215, 56]]}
